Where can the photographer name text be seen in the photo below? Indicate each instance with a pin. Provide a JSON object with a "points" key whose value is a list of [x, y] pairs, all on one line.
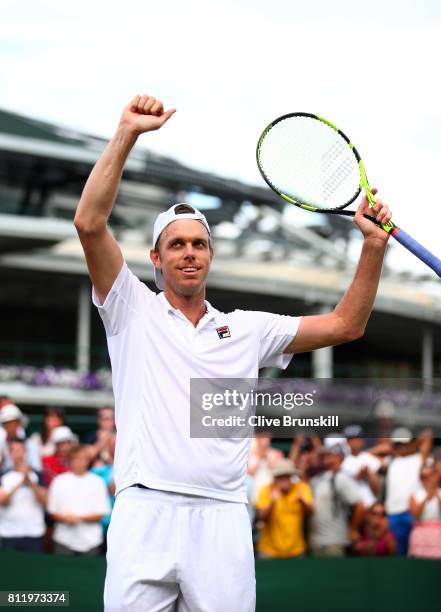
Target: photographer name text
{"points": [[264, 421]]}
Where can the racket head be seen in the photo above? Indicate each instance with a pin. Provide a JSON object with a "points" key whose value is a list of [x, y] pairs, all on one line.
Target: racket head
{"points": [[309, 162]]}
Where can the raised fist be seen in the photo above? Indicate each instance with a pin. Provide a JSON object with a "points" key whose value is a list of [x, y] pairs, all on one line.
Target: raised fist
{"points": [[145, 114]]}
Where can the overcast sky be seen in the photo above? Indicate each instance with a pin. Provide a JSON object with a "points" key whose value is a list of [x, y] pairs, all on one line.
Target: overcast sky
{"points": [[229, 67]]}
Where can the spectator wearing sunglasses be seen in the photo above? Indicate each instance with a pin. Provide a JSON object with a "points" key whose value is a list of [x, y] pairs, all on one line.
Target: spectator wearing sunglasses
{"points": [[377, 539], [425, 506]]}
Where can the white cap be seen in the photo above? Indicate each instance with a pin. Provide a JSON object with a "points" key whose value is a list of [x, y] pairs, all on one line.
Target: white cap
{"points": [[11, 412], [63, 434], [353, 431], [174, 213], [332, 449], [285, 467], [333, 439], [401, 435]]}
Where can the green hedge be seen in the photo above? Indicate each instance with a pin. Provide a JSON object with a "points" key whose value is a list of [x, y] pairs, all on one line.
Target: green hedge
{"points": [[319, 585]]}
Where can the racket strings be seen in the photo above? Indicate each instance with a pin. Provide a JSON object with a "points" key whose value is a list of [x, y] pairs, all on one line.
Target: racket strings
{"points": [[309, 161], [330, 156], [333, 182]]}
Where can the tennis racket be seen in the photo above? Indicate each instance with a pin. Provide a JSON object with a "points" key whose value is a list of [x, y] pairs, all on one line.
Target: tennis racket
{"points": [[309, 162]]}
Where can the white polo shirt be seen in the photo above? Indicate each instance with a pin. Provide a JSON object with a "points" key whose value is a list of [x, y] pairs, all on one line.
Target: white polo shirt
{"points": [[83, 494], [402, 479], [155, 351], [24, 515], [352, 464]]}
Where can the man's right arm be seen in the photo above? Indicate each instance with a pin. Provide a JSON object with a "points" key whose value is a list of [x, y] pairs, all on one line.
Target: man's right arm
{"points": [[103, 255], [6, 496]]}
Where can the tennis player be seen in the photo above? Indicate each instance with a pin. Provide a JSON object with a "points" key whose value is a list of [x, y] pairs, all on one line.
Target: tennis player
{"points": [[180, 537]]}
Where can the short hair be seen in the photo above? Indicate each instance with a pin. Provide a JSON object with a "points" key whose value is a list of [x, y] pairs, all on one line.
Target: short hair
{"points": [[376, 503], [182, 209], [106, 408], [58, 410], [188, 210], [179, 210], [17, 439], [76, 448]]}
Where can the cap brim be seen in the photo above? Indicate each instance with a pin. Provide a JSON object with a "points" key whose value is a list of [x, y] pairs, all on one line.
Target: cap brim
{"points": [[286, 473]]}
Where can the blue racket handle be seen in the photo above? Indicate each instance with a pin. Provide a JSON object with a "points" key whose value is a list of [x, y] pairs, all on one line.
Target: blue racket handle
{"points": [[417, 249]]}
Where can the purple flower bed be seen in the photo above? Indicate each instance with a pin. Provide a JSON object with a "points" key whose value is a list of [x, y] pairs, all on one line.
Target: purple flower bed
{"points": [[57, 377]]}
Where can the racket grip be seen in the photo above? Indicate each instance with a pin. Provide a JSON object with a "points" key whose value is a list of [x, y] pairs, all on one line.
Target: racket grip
{"points": [[417, 249]]}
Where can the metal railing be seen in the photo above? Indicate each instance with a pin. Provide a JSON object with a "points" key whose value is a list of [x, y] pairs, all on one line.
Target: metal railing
{"points": [[42, 355], [49, 354]]}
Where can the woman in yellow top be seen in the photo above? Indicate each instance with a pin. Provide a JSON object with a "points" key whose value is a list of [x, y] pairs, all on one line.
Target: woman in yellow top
{"points": [[281, 510]]}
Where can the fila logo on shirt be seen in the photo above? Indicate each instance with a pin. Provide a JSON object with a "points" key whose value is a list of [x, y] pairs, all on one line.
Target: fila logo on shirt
{"points": [[223, 332]]}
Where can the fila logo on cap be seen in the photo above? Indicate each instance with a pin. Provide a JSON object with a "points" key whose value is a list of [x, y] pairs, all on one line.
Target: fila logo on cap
{"points": [[223, 332]]}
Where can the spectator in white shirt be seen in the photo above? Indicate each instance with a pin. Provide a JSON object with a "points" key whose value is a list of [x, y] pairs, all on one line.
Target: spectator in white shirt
{"points": [[425, 505], [78, 501], [361, 465], [23, 500], [402, 480]]}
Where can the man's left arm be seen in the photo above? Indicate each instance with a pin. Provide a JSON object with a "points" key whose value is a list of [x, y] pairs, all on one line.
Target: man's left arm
{"points": [[348, 320], [425, 443], [91, 518]]}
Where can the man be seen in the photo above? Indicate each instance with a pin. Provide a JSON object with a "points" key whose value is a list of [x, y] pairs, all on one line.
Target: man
{"points": [[403, 479], [23, 500], [190, 526], [361, 465], [338, 509], [77, 502], [14, 422], [282, 508], [63, 439]]}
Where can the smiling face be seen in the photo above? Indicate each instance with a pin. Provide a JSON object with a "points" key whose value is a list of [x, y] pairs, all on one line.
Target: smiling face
{"points": [[376, 515], [283, 483], [63, 448], [331, 461], [429, 477], [355, 444], [79, 459], [12, 428], [17, 452], [53, 419], [183, 253], [106, 419]]}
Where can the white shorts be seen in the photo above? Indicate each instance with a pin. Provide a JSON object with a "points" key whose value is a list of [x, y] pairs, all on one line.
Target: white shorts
{"points": [[168, 552]]}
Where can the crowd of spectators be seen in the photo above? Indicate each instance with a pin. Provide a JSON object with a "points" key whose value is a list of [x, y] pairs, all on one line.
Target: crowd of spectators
{"points": [[347, 495], [337, 496], [56, 495]]}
